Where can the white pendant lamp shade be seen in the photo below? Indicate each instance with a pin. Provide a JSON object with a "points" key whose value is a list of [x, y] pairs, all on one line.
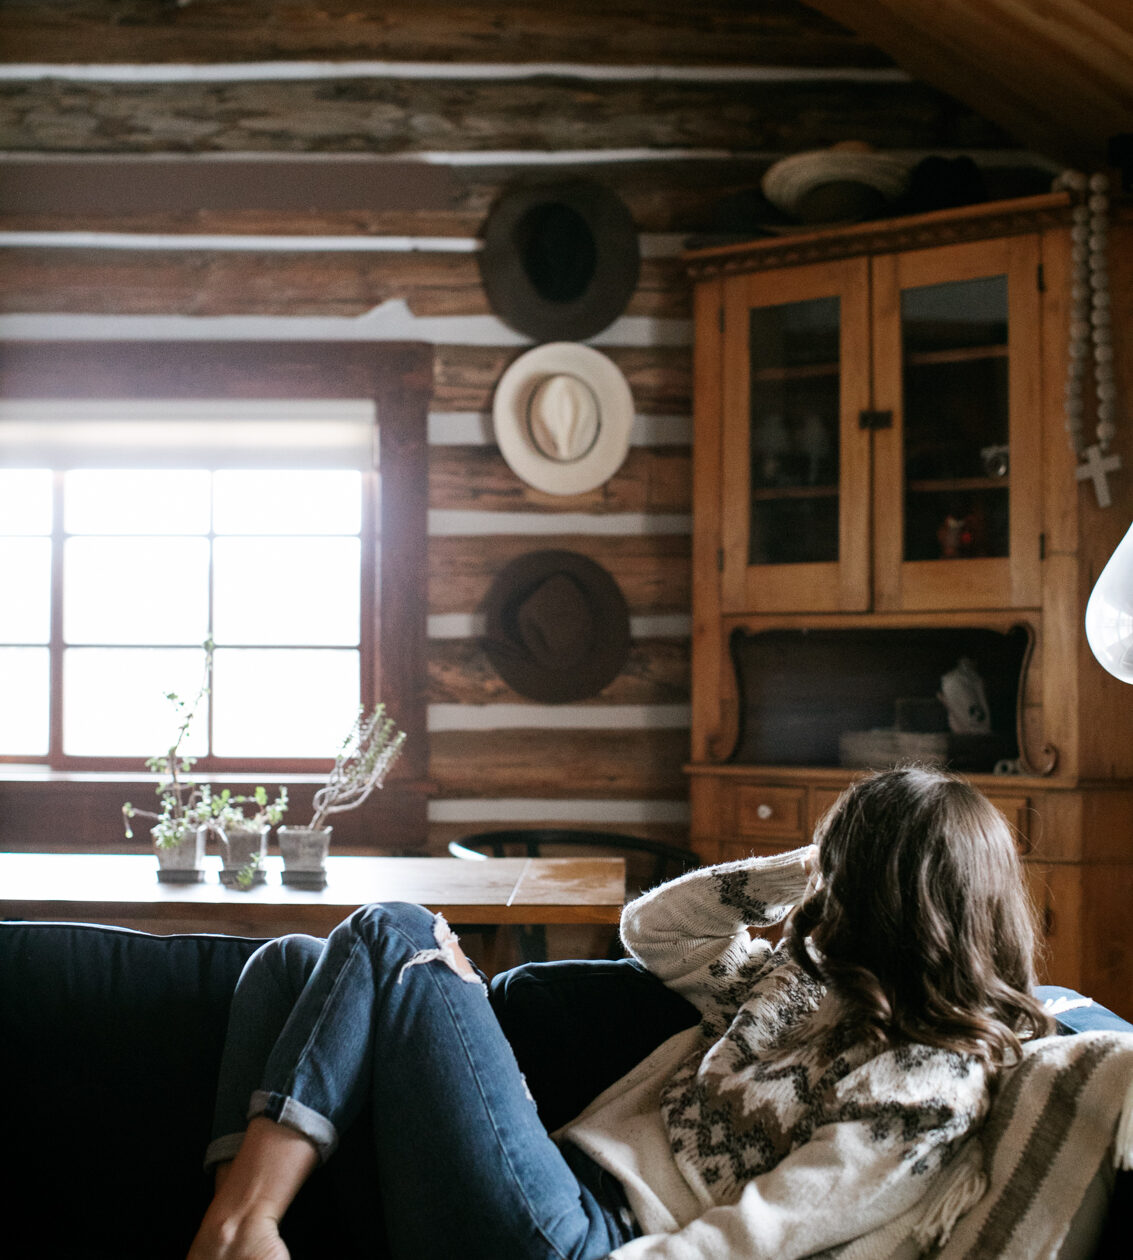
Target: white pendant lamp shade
{"points": [[1109, 613]]}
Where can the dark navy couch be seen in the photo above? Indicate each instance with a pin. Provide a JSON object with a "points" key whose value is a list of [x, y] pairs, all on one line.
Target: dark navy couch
{"points": [[110, 1041]]}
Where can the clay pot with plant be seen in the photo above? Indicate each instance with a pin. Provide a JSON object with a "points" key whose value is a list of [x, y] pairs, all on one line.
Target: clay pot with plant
{"points": [[363, 761], [242, 837], [177, 831]]}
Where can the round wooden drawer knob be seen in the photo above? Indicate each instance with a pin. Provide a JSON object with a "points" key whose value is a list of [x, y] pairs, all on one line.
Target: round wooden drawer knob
{"points": [[764, 812]]}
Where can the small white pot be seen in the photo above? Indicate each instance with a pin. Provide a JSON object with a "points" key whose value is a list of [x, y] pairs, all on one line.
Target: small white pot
{"points": [[239, 848], [182, 863], [305, 855]]}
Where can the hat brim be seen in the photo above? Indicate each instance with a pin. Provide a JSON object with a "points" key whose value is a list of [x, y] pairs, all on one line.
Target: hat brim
{"points": [[607, 653], [513, 436], [514, 293]]}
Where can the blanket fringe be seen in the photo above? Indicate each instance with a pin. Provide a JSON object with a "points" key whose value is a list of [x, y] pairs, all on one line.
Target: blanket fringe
{"points": [[964, 1186], [1123, 1143]]}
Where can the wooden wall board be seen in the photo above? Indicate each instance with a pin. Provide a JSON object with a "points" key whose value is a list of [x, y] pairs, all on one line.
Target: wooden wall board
{"points": [[657, 672], [333, 195], [258, 280], [652, 479], [385, 115], [652, 570], [660, 377], [576, 764], [661, 32]]}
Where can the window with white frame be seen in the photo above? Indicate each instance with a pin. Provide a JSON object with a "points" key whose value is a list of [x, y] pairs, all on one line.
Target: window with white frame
{"points": [[131, 532]]}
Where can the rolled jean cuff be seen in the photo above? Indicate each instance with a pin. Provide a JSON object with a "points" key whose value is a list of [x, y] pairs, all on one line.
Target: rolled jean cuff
{"points": [[222, 1149], [316, 1128]]}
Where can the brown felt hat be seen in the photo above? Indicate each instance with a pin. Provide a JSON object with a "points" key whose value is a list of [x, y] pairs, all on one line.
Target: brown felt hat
{"points": [[557, 626], [560, 261]]}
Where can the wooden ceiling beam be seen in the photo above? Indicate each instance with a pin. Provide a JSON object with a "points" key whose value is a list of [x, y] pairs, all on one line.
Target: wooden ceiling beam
{"points": [[634, 32]]}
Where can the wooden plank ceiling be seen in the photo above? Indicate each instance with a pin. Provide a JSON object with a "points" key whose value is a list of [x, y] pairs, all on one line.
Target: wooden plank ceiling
{"points": [[1056, 74]]}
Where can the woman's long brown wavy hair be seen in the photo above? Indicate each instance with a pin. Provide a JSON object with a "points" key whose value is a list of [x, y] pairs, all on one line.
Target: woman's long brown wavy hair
{"points": [[920, 920]]}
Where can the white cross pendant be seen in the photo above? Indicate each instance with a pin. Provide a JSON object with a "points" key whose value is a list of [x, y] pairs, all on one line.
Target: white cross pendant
{"points": [[1095, 469]]}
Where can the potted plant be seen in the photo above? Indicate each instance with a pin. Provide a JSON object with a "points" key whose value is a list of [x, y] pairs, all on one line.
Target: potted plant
{"points": [[178, 836], [242, 837], [367, 753]]}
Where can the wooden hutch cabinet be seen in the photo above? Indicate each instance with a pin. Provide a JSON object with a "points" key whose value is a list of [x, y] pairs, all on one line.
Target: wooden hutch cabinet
{"points": [[883, 488]]}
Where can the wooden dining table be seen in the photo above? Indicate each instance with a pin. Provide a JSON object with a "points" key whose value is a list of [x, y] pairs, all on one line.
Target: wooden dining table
{"points": [[123, 890]]}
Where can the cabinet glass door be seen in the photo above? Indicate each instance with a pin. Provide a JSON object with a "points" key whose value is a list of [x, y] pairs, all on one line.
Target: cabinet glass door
{"points": [[795, 377], [957, 453], [797, 365], [956, 476]]}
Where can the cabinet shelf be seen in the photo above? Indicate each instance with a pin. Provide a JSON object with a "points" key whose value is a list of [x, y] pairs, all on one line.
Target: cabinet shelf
{"points": [[796, 372], [955, 354], [950, 485], [775, 494]]}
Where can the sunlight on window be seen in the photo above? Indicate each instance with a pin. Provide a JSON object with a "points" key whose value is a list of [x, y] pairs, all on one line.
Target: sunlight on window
{"points": [[283, 703], [288, 502], [25, 574], [25, 686], [116, 702], [135, 590], [321, 578], [133, 501], [25, 501]]}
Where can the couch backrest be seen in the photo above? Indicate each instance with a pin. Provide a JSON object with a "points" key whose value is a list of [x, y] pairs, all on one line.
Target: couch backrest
{"points": [[111, 1041]]}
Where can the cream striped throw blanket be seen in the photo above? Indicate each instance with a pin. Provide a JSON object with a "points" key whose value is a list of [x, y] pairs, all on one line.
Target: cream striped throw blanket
{"points": [[1013, 1188]]}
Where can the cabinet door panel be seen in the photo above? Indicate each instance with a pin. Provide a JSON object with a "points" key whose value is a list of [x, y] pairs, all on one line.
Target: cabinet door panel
{"points": [[956, 503], [795, 472]]}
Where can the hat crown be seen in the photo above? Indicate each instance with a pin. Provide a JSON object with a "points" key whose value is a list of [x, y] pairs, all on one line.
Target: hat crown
{"points": [[555, 623], [563, 417]]}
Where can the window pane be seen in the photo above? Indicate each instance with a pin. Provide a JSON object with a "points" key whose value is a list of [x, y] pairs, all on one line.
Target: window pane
{"points": [[135, 590], [287, 590], [288, 503], [136, 501], [25, 574], [24, 684], [116, 703], [25, 501], [283, 703]]}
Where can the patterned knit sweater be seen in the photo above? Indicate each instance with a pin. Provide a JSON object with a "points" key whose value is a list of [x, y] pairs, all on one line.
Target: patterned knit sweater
{"points": [[768, 1130]]}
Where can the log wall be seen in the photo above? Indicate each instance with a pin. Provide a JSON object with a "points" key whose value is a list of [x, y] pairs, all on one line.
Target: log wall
{"points": [[165, 175]]}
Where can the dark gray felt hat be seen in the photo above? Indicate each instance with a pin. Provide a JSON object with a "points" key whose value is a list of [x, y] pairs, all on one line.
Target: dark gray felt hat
{"points": [[560, 261]]}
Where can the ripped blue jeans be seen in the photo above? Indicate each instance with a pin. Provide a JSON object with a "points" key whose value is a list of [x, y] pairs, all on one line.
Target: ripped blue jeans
{"points": [[379, 1017]]}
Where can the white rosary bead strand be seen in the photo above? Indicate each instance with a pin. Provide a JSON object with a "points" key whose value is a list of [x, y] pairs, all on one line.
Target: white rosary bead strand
{"points": [[1090, 333]]}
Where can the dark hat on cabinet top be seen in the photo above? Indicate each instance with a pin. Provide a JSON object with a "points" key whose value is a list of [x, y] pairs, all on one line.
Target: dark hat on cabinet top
{"points": [[557, 626], [560, 261]]}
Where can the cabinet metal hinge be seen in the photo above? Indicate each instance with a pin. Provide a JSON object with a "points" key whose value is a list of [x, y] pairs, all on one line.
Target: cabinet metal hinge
{"points": [[720, 560], [720, 318], [1042, 546], [875, 419], [1040, 278]]}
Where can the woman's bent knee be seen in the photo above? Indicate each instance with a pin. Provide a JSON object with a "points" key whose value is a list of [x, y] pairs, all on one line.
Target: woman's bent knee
{"points": [[286, 960]]}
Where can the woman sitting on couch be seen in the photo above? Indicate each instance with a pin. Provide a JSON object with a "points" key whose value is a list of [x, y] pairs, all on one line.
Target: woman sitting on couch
{"points": [[821, 1096]]}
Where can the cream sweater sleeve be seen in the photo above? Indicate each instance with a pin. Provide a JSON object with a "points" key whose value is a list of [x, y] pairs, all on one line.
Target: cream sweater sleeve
{"points": [[692, 932]]}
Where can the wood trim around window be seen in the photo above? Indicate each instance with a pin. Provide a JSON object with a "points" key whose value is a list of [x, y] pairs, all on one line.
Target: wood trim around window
{"points": [[398, 377]]}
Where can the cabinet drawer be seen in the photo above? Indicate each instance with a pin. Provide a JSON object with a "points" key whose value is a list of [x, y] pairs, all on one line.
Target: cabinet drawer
{"points": [[1017, 811], [771, 811]]}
